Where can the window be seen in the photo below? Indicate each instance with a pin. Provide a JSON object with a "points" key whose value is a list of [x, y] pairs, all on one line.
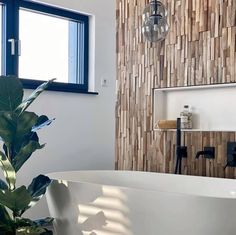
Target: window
{"points": [[41, 42]]}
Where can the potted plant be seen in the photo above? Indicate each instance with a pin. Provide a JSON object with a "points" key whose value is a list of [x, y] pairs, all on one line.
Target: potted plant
{"points": [[18, 134]]}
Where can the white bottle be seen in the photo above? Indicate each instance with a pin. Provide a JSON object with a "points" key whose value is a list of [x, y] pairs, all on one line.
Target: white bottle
{"points": [[186, 118]]}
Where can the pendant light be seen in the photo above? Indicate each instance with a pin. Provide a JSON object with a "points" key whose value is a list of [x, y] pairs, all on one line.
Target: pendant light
{"points": [[155, 26]]}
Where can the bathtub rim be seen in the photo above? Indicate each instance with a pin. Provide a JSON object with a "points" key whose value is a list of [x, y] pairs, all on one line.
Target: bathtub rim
{"points": [[144, 190]]}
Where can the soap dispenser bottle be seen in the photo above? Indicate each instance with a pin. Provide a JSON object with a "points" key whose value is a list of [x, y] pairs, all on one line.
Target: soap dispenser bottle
{"points": [[186, 118]]}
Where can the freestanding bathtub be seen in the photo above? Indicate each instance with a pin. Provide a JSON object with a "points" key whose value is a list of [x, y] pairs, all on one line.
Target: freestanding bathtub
{"points": [[139, 203]]}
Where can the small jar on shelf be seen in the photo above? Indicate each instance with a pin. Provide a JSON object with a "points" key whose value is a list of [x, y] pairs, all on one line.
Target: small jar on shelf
{"points": [[186, 118]]}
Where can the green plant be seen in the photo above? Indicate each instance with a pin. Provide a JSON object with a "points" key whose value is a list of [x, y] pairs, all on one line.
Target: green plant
{"points": [[18, 132]]}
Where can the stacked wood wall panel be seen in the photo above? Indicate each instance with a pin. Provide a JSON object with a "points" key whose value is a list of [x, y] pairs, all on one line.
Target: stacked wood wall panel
{"points": [[199, 49]]}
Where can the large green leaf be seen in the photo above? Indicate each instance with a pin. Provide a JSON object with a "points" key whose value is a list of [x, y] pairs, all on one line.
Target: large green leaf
{"points": [[26, 225], [15, 131], [11, 93], [24, 222], [3, 185], [25, 123], [6, 229], [33, 230], [6, 222], [16, 147], [42, 122], [27, 102], [8, 170], [4, 147], [23, 134], [25, 153], [44, 222], [37, 189], [8, 124], [47, 232], [38, 186], [15, 200]]}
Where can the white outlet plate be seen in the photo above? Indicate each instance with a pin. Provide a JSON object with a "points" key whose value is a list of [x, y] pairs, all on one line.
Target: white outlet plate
{"points": [[104, 82]]}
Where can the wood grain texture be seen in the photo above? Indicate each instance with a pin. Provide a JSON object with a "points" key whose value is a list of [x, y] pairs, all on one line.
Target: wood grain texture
{"points": [[199, 49]]}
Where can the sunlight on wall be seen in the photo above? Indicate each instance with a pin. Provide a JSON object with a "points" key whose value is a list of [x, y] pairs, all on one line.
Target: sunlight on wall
{"points": [[106, 215]]}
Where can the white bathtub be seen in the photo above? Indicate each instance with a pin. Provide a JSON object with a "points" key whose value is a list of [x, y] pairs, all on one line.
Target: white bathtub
{"points": [[139, 203]]}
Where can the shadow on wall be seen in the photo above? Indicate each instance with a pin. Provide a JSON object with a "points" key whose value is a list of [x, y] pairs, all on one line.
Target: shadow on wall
{"points": [[102, 212]]}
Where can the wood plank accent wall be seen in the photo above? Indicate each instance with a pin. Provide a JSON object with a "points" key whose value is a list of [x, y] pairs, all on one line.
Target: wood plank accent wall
{"points": [[199, 49]]}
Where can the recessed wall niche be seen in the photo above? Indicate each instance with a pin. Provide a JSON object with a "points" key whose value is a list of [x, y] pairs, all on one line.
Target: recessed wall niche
{"points": [[211, 105]]}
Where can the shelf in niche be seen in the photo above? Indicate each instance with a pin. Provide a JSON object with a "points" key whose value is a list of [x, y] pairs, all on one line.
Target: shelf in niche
{"points": [[197, 87], [214, 106], [184, 130], [192, 130]]}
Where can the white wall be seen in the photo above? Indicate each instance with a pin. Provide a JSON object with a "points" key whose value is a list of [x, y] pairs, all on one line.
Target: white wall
{"points": [[83, 135]]}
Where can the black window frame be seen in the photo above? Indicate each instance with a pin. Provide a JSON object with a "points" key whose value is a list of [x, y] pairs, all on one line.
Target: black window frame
{"points": [[10, 23]]}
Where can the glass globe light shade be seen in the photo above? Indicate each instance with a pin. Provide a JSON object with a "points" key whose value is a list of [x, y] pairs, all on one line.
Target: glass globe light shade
{"points": [[154, 8], [155, 28]]}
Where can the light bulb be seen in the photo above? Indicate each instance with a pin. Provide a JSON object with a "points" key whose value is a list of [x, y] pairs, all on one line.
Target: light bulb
{"points": [[155, 28], [154, 8]]}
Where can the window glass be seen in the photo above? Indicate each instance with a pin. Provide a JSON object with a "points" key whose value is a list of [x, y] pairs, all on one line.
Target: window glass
{"points": [[44, 47]]}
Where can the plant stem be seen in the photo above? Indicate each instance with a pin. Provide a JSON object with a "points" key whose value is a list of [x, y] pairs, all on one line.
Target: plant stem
{"points": [[10, 160], [9, 154], [14, 218]]}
